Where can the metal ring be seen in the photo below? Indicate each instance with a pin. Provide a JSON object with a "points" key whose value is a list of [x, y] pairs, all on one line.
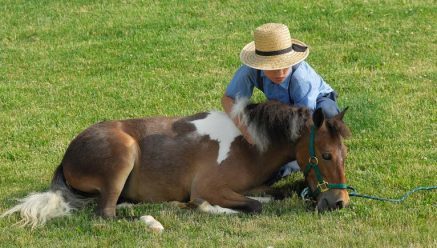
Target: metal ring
{"points": [[313, 160]]}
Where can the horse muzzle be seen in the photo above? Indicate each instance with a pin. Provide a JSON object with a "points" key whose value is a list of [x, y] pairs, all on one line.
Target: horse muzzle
{"points": [[332, 199]]}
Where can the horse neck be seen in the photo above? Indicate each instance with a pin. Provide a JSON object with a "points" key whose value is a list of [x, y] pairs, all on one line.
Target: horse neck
{"points": [[279, 154], [288, 149], [274, 158]]}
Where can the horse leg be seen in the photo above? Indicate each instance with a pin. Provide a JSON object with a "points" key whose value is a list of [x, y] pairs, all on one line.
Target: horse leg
{"points": [[114, 183], [114, 179], [229, 199], [205, 206], [262, 199], [107, 203], [236, 201]]}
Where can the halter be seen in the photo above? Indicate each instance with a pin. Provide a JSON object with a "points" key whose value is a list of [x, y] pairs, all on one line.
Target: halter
{"points": [[322, 185]]}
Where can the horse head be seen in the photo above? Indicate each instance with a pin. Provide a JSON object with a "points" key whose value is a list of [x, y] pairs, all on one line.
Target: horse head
{"points": [[321, 155]]}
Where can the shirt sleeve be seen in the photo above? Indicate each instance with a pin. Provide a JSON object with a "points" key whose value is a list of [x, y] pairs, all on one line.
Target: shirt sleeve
{"points": [[242, 83]]}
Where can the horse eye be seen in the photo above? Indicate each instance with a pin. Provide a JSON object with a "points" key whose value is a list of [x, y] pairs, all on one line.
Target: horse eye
{"points": [[326, 156]]}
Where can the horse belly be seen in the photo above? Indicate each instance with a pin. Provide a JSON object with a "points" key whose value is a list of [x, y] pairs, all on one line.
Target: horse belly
{"points": [[144, 186], [164, 171]]}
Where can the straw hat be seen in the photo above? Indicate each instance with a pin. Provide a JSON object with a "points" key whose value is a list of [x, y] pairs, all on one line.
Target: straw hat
{"points": [[273, 48]]}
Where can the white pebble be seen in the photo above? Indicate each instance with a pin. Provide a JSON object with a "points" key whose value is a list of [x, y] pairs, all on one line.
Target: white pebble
{"points": [[152, 224]]}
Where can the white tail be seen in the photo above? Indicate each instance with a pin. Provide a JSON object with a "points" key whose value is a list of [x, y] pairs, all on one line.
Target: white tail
{"points": [[37, 208]]}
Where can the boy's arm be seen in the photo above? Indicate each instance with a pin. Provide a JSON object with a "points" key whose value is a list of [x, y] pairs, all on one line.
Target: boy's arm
{"points": [[228, 103]]}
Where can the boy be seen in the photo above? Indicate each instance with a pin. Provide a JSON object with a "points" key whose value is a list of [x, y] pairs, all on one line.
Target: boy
{"points": [[274, 63]]}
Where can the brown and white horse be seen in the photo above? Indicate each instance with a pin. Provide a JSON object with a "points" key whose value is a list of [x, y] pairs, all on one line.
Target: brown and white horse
{"points": [[196, 159]]}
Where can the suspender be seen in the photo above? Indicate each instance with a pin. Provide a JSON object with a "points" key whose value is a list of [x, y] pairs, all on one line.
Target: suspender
{"points": [[289, 94], [260, 83], [259, 80]]}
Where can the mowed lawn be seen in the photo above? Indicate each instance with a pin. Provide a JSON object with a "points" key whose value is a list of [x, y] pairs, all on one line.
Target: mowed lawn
{"points": [[65, 65]]}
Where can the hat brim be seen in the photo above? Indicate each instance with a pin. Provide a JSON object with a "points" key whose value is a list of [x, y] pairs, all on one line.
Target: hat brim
{"points": [[251, 59]]}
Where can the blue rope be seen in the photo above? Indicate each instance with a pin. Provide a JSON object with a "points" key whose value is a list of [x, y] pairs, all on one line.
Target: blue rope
{"points": [[306, 194]]}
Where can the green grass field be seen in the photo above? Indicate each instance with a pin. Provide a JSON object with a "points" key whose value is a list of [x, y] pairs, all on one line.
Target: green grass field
{"points": [[65, 65]]}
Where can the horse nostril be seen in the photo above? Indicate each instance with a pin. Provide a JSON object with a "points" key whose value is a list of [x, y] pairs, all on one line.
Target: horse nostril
{"points": [[340, 204]]}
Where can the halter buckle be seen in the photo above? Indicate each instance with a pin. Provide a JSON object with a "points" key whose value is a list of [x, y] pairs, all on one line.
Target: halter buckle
{"points": [[323, 186], [313, 160]]}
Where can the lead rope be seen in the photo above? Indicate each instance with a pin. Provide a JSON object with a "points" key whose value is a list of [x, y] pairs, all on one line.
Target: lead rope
{"points": [[396, 200], [306, 194]]}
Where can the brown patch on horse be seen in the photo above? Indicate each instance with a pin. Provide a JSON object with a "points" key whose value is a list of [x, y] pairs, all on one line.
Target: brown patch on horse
{"points": [[140, 128], [184, 125]]}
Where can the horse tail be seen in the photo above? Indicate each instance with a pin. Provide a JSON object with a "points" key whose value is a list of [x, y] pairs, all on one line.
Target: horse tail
{"points": [[37, 208]]}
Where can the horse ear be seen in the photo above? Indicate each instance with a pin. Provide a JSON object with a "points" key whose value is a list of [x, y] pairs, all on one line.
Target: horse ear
{"points": [[341, 114], [318, 117], [338, 124]]}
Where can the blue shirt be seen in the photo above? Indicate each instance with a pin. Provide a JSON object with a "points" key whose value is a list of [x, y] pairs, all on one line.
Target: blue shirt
{"points": [[303, 83]]}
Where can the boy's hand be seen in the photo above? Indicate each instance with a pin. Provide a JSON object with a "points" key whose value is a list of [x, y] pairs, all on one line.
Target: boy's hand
{"points": [[246, 135]]}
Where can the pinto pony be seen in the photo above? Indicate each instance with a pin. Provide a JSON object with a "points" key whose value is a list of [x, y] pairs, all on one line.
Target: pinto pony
{"points": [[195, 159]]}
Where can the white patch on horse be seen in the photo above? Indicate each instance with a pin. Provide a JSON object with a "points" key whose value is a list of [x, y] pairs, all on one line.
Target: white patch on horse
{"points": [[219, 127], [265, 199], [208, 208]]}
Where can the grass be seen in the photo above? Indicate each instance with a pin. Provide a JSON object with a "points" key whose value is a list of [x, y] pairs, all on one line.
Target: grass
{"points": [[65, 65]]}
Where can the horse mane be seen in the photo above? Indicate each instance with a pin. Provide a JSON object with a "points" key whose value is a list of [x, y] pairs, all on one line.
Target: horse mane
{"points": [[271, 122]]}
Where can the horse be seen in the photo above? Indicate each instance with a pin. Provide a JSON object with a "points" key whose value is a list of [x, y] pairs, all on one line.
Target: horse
{"points": [[197, 159]]}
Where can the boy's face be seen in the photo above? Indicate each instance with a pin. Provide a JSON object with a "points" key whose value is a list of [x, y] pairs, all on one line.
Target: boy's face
{"points": [[277, 76]]}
